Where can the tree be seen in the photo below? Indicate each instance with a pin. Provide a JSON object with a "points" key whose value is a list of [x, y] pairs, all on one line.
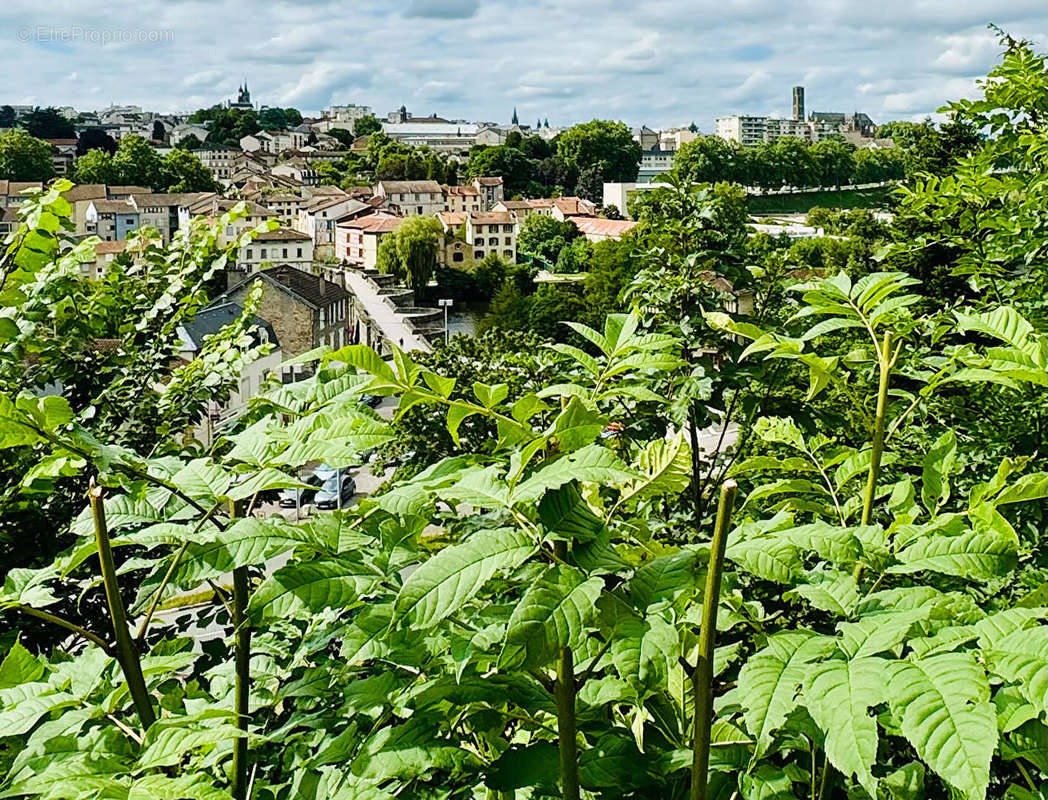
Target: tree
{"points": [[95, 166], [345, 137], [607, 146], [511, 164], [410, 252], [137, 163], [183, 172], [367, 125], [95, 139], [880, 164], [48, 123], [544, 237], [190, 142], [708, 159], [8, 117], [833, 162], [24, 157]]}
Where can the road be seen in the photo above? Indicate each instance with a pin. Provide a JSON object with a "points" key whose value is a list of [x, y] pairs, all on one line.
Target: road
{"points": [[392, 325]]}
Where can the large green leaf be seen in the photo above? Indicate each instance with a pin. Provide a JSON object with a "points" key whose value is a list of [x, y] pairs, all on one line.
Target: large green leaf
{"points": [[247, 541], [167, 740], [447, 581], [565, 513], [838, 694], [665, 468], [644, 650], [1021, 658], [310, 585], [944, 704], [591, 463], [937, 465], [550, 616], [769, 681], [978, 555], [407, 751]]}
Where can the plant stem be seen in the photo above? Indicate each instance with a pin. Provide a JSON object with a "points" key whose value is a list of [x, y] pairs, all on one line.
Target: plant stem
{"points": [[242, 658], [702, 676], [885, 363], [71, 626], [564, 694], [824, 784], [126, 652]]}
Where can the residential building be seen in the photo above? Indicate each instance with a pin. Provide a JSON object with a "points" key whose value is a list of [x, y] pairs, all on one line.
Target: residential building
{"points": [[461, 198], [299, 170], [285, 205], [124, 192], [522, 209], [280, 246], [8, 220], [491, 190], [318, 218], [412, 198], [567, 207], [305, 311], [599, 230], [746, 130], [358, 238], [63, 155], [221, 162], [253, 376], [344, 117], [211, 207], [654, 162], [492, 232], [185, 130], [164, 211], [11, 192], [111, 220], [274, 142], [78, 198]]}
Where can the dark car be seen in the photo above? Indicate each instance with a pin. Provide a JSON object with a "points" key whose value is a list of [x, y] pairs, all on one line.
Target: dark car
{"points": [[336, 491], [372, 400], [290, 498]]}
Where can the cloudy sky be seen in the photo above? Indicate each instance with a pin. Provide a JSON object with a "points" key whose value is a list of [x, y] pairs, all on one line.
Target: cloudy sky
{"points": [[659, 62]]}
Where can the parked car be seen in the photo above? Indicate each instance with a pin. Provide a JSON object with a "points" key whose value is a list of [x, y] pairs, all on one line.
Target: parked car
{"points": [[289, 498], [373, 400], [336, 491]]}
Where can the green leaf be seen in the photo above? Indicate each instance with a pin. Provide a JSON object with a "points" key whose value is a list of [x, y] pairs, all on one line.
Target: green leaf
{"points": [[644, 650], [905, 783], [552, 615], [365, 359], [577, 426], [22, 706], [203, 480], [768, 558], [1004, 323], [591, 463], [247, 541], [524, 766], [665, 468], [167, 740], [365, 639], [479, 487], [451, 578], [310, 585], [161, 787], [838, 695], [944, 704], [972, 554], [837, 593], [1021, 658], [938, 464], [407, 751], [566, 514], [19, 666], [769, 681], [666, 577]]}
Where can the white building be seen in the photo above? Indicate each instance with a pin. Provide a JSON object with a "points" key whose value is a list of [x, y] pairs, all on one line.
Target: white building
{"points": [[280, 246], [492, 232], [412, 198], [319, 217]]}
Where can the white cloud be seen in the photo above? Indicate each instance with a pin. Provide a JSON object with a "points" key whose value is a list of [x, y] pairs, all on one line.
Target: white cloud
{"points": [[665, 62]]}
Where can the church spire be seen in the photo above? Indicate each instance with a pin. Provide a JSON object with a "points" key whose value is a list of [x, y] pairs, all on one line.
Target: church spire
{"points": [[515, 120]]}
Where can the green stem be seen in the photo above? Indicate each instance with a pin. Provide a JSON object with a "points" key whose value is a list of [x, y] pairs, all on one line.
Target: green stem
{"points": [[126, 652], [702, 676], [564, 695], [70, 626], [885, 361], [242, 658], [824, 784]]}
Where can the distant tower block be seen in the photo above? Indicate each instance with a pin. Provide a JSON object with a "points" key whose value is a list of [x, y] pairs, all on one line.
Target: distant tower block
{"points": [[798, 103]]}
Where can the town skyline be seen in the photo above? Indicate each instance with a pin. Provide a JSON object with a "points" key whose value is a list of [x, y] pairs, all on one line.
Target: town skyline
{"points": [[566, 63]]}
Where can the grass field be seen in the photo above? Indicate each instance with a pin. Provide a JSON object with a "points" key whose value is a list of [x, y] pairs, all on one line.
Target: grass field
{"points": [[804, 202]]}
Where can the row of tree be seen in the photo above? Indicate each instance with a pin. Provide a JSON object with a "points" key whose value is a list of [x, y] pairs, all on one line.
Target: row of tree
{"points": [[135, 162], [576, 162], [227, 126]]}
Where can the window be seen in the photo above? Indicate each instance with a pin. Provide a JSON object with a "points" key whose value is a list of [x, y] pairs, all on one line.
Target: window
{"points": [[250, 253], [507, 228], [509, 240], [419, 210], [479, 254], [457, 257], [493, 241], [263, 252], [507, 253], [285, 252], [299, 252]]}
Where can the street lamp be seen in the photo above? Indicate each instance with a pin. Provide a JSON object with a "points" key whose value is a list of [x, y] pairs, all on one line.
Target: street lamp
{"points": [[446, 303]]}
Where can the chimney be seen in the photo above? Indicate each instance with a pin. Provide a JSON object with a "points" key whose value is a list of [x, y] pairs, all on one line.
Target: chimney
{"points": [[323, 284]]}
